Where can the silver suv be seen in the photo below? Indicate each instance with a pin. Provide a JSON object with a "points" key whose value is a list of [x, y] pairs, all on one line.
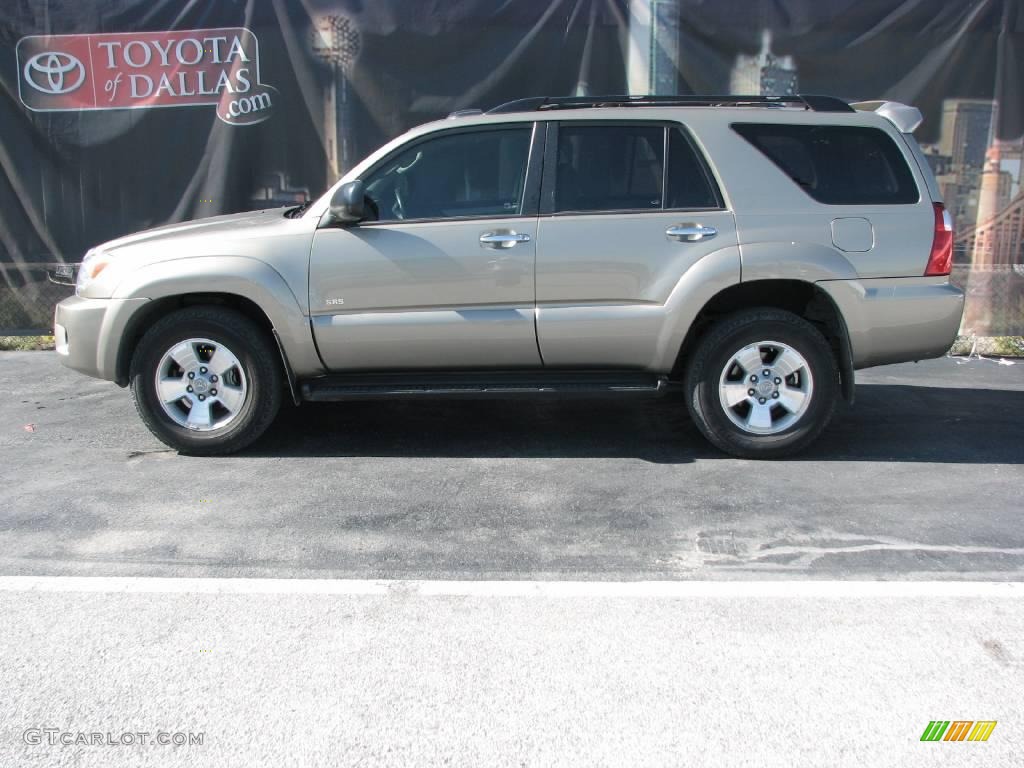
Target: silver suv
{"points": [[751, 251]]}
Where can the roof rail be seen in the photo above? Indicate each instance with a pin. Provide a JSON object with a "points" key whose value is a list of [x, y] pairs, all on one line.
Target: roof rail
{"points": [[539, 103], [464, 113]]}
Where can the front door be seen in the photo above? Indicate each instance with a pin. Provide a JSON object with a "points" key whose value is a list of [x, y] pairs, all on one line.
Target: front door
{"points": [[441, 275]]}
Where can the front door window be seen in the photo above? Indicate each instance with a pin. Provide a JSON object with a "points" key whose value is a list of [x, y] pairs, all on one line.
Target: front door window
{"points": [[466, 174]]}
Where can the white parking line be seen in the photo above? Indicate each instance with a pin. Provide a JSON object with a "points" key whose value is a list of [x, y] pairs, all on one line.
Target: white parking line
{"points": [[597, 589]]}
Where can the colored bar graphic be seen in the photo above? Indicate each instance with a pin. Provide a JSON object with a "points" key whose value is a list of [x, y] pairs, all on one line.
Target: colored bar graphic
{"points": [[959, 730], [982, 730]]}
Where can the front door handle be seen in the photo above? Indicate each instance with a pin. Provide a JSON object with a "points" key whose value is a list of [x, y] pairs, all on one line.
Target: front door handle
{"points": [[502, 239], [690, 232]]}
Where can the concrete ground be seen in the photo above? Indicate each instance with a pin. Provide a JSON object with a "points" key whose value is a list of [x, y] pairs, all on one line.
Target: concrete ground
{"points": [[435, 674], [670, 606]]}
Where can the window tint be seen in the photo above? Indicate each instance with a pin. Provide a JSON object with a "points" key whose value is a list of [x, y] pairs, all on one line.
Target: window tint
{"points": [[688, 183], [839, 165], [609, 167], [459, 174]]}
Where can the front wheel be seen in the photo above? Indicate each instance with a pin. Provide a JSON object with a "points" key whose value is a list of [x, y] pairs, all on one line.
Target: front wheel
{"points": [[206, 380], [762, 383]]}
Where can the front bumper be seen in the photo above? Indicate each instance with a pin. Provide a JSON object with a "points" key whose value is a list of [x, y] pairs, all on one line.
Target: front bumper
{"points": [[88, 333], [896, 320]]}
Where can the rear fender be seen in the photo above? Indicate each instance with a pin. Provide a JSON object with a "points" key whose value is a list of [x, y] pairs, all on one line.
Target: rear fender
{"points": [[698, 285], [809, 262]]}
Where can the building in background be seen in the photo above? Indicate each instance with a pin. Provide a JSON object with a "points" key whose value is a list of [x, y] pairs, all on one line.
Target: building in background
{"points": [[1011, 153], [764, 73], [967, 126], [958, 159]]}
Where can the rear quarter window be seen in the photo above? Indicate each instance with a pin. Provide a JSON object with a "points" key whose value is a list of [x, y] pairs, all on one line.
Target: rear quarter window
{"points": [[836, 164]]}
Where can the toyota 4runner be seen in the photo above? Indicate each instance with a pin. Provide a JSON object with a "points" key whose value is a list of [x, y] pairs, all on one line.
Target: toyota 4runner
{"points": [[750, 251]]}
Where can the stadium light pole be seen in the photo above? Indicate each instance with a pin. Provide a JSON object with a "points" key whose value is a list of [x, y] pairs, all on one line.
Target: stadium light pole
{"points": [[336, 41]]}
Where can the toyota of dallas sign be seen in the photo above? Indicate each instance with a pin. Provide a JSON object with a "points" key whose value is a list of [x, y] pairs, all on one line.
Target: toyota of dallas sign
{"points": [[146, 69]]}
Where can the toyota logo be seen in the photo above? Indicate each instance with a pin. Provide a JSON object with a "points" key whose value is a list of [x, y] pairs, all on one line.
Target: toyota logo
{"points": [[54, 72]]}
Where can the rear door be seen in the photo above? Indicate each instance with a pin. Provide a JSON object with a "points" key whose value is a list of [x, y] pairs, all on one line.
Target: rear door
{"points": [[627, 208]]}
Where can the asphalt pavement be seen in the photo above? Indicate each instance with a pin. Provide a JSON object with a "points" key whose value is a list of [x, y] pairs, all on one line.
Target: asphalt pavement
{"points": [[922, 478]]}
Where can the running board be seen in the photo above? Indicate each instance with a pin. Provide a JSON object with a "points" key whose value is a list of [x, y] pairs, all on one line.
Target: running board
{"points": [[366, 386]]}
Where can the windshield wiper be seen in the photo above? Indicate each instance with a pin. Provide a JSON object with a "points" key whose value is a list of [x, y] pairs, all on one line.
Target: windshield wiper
{"points": [[293, 213]]}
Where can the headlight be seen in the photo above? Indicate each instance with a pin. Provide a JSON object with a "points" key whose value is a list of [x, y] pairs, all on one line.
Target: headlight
{"points": [[91, 267]]}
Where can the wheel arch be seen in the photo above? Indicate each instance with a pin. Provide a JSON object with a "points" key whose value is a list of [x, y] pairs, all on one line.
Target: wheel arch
{"points": [[251, 286], [150, 312], [800, 297]]}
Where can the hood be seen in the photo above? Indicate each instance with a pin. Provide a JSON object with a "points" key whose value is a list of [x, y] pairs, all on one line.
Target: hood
{"points": [[227, 224]]}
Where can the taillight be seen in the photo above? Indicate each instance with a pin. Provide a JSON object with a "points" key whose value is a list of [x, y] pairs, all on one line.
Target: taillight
{"points": [[940, 261]]}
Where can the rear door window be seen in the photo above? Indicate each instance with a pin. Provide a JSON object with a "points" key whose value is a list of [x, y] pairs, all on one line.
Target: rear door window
{"points": [[624, 167], [836, 164], [609, 167], [688, 183]]}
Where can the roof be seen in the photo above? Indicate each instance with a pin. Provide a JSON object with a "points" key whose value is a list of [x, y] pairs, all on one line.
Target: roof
{"points": [[906, 118]]}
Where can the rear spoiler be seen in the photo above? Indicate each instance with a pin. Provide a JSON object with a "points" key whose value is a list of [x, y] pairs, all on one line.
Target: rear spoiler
{"points": [[903, 116]]}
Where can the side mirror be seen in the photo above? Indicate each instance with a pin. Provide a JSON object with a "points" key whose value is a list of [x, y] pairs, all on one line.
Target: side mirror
{"points": [[348, 204]]}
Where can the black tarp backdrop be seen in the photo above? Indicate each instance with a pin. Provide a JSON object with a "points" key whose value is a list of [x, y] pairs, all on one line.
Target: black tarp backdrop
{"points": [[71, 179]]}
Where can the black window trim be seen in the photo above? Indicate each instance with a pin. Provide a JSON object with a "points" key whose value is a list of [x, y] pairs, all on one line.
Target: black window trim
{"points": [[549, 181], [897, 144], [531, 185]]}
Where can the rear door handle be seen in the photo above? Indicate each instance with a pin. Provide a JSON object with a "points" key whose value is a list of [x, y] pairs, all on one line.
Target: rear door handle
{"points": [[502, 239], [690, 232]]}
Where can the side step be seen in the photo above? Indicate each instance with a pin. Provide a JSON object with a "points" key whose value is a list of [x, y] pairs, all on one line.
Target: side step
{"points": [[366, 386]]}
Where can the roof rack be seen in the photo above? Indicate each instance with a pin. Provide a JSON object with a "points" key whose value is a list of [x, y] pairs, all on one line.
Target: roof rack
{"points": [[464, 113], [539, 103]]}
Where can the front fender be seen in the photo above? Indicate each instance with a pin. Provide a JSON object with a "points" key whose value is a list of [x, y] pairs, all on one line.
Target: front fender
{"points": [[240, 276]]}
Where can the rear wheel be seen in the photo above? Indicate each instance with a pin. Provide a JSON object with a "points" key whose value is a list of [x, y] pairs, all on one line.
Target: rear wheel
{"points": [[206, 380], [762, 383]]}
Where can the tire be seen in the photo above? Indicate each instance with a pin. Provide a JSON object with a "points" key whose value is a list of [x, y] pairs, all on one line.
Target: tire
{"points": [[250, 389], [798, 408]]}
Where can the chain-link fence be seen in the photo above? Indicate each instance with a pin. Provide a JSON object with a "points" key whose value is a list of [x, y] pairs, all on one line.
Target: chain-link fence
{"points": [[28, 294], [993, 322], [995, 299]]}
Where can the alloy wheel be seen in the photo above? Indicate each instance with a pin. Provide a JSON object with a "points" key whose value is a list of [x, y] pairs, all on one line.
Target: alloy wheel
{"points": [[766, 387], [201, 384]]}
